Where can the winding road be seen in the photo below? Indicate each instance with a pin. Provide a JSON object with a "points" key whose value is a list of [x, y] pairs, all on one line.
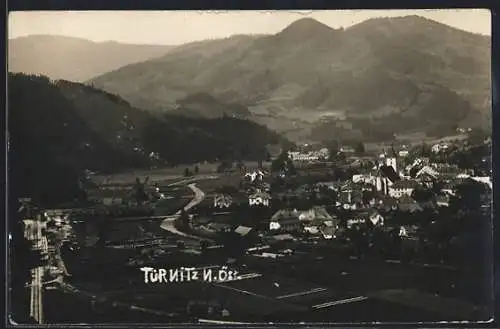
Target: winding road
{"points": [[168, 223]]}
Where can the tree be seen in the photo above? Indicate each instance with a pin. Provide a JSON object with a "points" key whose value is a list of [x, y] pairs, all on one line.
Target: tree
{"points": [[333, 148], [477, 136], [329, 194], [421, 194], [469, 195], [425, 150], [139, 192], [359, 148], [437, 186], [314, 197], [367, 196], [184, 220], [224, 165], [280, 162], [204, 245], [233, 244]]}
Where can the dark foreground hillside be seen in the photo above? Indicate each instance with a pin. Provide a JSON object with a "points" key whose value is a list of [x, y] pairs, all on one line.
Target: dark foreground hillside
{"points": [[59, 129]]}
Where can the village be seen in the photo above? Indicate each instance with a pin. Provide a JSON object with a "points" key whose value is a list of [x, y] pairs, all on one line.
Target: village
{"points": [[388, 203], [307, 216]]}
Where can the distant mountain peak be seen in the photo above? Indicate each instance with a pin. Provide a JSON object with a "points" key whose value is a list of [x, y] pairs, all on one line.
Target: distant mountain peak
{"points": [[306, 26], [407, 23]]}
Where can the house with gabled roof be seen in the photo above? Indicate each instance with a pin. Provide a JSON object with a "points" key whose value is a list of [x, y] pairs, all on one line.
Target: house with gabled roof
{"points": [[402, 187], [315, 213], [256, 175], [448, 189], [222, 200], [357, 218], [408, 204], [446, 170], [371, 216], [334, 185], [259, 198], [328, 232], [286, 220], [428, 171], [375, 218], [317, 218], [350, 199], [243, 230], [443, 201], [386, 203]]}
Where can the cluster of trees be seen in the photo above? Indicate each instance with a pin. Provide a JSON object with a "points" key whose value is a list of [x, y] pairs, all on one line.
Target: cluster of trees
{"points": [[188, 172], [283, 164], [334, 147], [473, 158], [46, 138], [451, 234], [183, 223], [186, 140], [464, 221]]}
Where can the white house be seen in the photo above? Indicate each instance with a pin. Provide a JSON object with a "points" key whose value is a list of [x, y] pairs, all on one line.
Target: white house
{"points": [[328, 232], [222, 201], [298, 156], [443, 201], [382, 184], [311, 229], [274, 225], [363, 178], [255, 175], [392, 162], [441, 147], [324, 153], [427, 170], [418, 163], [259, 199], [448, 190], [402, 187], [376, 218], [403, 153], [315, 213], [353, 221], [485, 180], [347, 149]]}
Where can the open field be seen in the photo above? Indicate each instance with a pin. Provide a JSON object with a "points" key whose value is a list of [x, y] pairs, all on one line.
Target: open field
{"points": [[209, 186], [167, 174], [413, 140]]}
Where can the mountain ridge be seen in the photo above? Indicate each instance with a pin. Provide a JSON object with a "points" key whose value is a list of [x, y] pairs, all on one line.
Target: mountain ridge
{"points": [[73, 58], [379, 67]]}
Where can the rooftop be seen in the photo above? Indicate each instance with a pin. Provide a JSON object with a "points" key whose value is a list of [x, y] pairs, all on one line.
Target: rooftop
{"points": [[283, 237], [243, 230], [260, 194], [405, 184], [285, 214]]}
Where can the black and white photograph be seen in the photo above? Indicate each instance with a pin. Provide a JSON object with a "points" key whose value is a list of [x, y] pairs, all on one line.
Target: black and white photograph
{"points": [[249, 167]]}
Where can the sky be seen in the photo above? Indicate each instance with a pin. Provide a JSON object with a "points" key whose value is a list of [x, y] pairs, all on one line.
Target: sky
{"points": [[178, 27]]}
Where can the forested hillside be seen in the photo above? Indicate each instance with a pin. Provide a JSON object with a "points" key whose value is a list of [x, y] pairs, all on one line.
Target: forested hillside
{"points": [[59, 129]]}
